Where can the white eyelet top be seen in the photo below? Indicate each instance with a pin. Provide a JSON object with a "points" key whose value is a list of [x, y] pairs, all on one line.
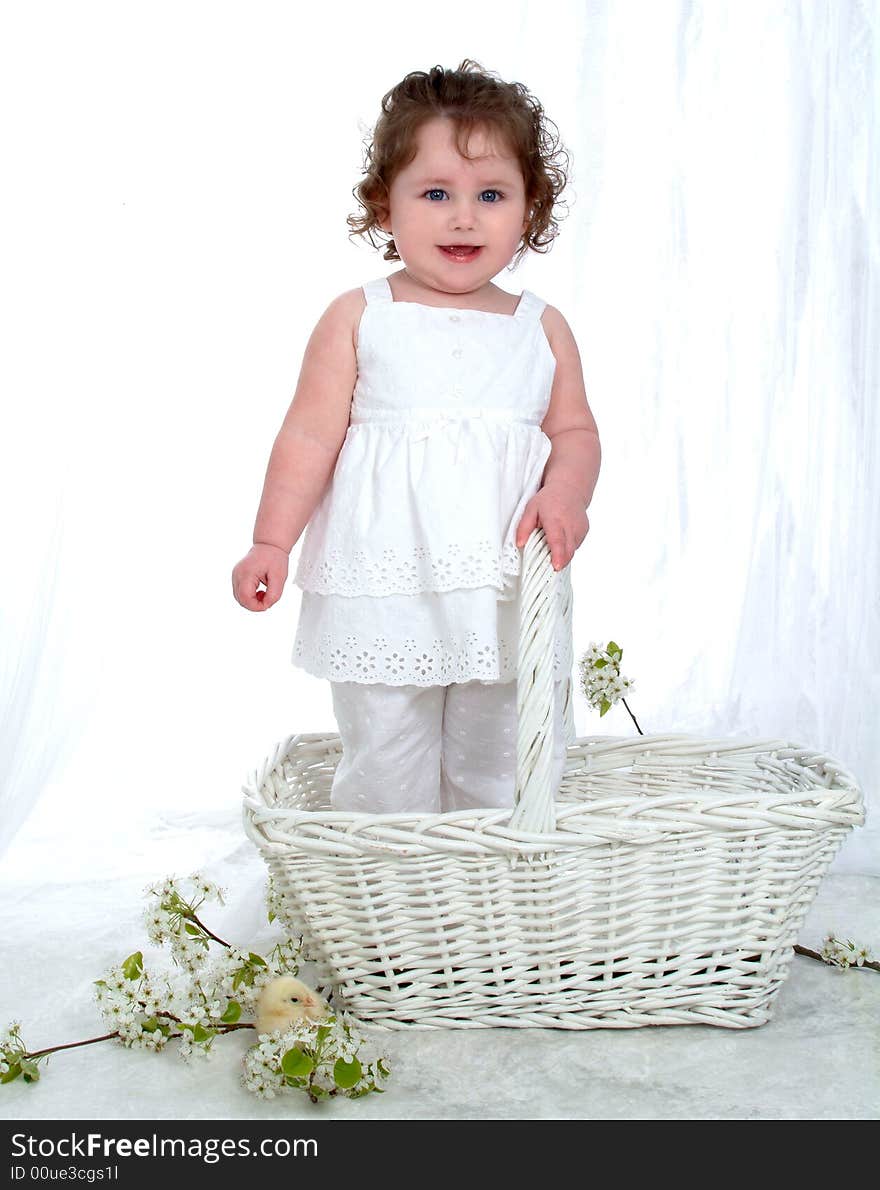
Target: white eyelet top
{"points": [[409, 564]]}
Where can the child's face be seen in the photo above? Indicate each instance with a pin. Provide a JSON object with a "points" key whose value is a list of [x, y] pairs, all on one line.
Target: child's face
{"points": [[442, 198]]}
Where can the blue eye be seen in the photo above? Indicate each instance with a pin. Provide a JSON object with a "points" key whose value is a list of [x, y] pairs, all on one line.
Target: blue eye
{"points": [[438, 190]]}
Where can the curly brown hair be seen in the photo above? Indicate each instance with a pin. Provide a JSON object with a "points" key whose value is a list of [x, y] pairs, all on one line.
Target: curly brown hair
{"points": [[472, 97]]}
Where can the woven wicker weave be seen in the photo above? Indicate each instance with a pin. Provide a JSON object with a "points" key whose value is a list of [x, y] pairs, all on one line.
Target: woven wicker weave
{"points": [[665, 883]]}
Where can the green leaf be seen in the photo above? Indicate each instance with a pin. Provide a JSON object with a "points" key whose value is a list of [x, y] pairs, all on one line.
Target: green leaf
{"points": [[296, 1063], [257, 960], [191, 929], [150, 1026], [605, 705], [200, 1033], [384, 1069], [133, 967], [271, 916], [323, 1031], [13, 1072], [346, 1074], [29, 1070], [232, 1013], [612, 647]]}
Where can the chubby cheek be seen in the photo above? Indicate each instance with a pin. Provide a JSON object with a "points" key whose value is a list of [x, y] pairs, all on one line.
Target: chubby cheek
{"points": [[422, 229], [410, 217]]}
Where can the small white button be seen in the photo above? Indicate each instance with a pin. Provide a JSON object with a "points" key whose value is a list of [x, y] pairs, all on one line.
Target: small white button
{"points": [[454, 318], [456, 352]]}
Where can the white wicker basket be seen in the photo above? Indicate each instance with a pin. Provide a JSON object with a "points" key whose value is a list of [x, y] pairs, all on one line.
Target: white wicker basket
{"points": [[664, 884]]}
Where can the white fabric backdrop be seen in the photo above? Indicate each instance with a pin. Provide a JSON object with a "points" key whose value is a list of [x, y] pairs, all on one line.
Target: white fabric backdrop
{"points": [[174, 224]]}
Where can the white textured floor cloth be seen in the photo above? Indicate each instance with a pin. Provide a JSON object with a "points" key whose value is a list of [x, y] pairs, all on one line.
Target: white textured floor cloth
{"points": [[70, 906]]}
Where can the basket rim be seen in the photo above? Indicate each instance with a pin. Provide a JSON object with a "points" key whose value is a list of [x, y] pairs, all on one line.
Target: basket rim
{"points": [[628, 816], [656, 745]]}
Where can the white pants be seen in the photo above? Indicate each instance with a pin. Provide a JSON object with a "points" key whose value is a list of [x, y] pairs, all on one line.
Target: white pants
{"points": [[430, 749]]}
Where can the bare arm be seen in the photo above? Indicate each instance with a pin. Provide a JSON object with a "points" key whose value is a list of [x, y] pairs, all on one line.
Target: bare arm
{"points": [[304, 455], [560, 504], [576, 454]]}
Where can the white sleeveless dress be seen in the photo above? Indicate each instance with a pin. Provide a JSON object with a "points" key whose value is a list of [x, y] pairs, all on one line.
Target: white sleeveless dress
{"points": [[409, 565]]}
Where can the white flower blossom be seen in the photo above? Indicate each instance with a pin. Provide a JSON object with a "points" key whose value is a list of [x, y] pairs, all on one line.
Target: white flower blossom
{"points": [[195, 994], [842, 954], [277, 903], [162, 889], [603, 682], [262, 1063]]}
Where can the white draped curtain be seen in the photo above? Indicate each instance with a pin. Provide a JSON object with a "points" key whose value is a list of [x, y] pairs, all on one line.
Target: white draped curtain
{"points": [[177, 181]]}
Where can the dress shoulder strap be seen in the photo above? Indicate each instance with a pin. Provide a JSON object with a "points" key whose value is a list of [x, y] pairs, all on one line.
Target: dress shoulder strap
{"points": [[530, 306], [378, 290]]}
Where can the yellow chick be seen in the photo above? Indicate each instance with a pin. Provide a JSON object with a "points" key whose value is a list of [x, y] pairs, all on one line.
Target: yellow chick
{"points": [[287, 1001]]}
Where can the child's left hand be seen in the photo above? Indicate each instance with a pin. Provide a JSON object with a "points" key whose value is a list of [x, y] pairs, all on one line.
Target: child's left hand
{"points": [[558, 509]]}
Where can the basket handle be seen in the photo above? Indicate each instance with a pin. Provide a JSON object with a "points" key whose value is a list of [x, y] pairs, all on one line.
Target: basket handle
{"points": [[545, 596]]}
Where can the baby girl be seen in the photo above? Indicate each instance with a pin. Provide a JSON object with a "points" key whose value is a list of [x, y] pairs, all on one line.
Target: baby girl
{"points": [[437, 421]]}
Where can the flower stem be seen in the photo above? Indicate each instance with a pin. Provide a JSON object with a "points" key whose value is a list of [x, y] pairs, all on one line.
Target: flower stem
{"points": [[53, 1049], [202, 926], [814, 954], [70, 1045], [632, 716]]}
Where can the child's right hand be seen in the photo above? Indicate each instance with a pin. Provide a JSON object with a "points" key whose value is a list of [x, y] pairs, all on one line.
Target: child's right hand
{"points": [[265, 564]]}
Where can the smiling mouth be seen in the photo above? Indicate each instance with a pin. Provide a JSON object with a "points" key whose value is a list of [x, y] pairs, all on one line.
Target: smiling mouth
{"points": [[461, 251]]}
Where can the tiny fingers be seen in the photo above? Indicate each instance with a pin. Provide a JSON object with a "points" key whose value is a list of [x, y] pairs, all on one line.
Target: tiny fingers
{"points": [[560, 554], [558, 540]]}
